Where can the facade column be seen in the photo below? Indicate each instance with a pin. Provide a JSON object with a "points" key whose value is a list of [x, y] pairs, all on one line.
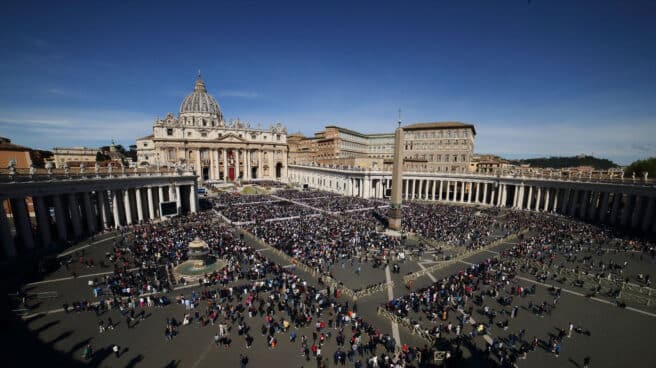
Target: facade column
{"points": [[420, 189], [212, 172], [493, 195], [137, 195], [74, 210], [236, 152], [225, 165], [160, 199], [247, 170], [60, 218], [160, 195], [127, 206], [547, 192], [199, 167], [440, 194], [151, 207], [90, 214], [5, 232], [433, 189], [648, 217], [516, 197], [537, 199], [115, 209], [520, 196], [193, 198], [22, 222], [178, 200], [260, 168], [485, 192], [529, 199], [43, 222], [471, 191]]}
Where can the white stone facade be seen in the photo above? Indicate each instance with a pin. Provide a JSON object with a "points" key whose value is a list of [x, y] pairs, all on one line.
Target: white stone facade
{"points": [[216, 150]]}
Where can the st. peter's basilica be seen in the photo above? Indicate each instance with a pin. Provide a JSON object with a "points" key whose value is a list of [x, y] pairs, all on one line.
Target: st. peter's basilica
{"points": [[215, 149]]}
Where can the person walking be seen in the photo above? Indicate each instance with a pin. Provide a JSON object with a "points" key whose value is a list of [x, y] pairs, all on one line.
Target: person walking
{"points": [[117, 350], [571, 327], [586, 362]]}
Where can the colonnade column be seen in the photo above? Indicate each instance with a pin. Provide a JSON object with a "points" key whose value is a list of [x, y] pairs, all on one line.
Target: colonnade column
{"points": [[178, 200], [73, 208], [537, 199], [7, 241], [115, 209], [617, 199], [648, 217], [126, 205], [478, 192], [260, 167], [102, 207], [151, 207], [22, 222], [88, 211], [573, 202], [60, 218], [440, 194], [407, 186], [603, 203], [554, 208], [42, 220], [529, 199], [137, 194], [635, 213], [547, 192], [485, 192], [626, 210], [433, 189]]}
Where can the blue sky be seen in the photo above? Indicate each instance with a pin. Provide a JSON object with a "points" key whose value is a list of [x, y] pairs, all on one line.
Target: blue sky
{"points": [[536, 77]]}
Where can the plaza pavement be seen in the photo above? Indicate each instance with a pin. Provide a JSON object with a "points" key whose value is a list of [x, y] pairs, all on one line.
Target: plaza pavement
{"points": [[619, 337]]}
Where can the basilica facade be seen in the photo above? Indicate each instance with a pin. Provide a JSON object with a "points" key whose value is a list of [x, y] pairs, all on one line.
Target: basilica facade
{"points": [[217, 150]]}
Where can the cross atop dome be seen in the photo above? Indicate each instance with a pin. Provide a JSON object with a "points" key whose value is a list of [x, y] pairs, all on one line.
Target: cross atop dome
{"points": [[200, 85]]}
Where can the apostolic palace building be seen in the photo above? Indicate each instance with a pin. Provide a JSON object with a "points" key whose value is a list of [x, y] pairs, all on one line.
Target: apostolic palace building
{"points": [[201, 139]]}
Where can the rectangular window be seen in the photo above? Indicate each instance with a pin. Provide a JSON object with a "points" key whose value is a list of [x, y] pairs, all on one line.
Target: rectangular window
{"points": [[203, 134], [169, 132]]}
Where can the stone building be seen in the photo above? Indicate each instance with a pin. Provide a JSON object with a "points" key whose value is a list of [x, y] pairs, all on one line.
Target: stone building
{"points": [[10, 151], [73, 156], [215, 149], [436, 147]]}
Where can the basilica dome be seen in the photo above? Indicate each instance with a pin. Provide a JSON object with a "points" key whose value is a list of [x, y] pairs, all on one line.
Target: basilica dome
{"points": [[200, 102]]}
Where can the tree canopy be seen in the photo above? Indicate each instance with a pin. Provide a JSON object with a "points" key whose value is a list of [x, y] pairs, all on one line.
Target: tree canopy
{"points": [[573, 161], [640, 167]]}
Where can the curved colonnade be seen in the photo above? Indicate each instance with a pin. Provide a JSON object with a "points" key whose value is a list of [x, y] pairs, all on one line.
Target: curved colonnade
{"points": [[629, 205], [66, 210]]}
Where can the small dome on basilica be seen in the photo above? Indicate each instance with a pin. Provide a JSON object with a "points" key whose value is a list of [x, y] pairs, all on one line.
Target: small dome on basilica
{"points": [[199, 101]]}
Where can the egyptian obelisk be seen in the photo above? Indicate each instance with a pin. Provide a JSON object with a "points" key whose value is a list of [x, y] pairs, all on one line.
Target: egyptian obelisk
{"points": [[397, 180]]}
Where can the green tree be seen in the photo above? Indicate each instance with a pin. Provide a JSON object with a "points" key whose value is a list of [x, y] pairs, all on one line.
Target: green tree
{"points": [[640, 167]]}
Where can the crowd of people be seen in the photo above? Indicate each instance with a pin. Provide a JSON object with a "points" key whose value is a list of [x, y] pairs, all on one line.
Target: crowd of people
{"points": [[260, 212], [342, 204], [324, 241]]}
